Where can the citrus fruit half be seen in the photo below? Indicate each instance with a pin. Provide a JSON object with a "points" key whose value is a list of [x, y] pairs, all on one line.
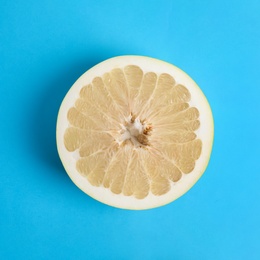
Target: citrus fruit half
{"points": [[135, 132]]}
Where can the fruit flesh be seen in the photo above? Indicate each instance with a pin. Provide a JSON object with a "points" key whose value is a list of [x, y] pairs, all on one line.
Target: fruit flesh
{"points": [[135, 132]]}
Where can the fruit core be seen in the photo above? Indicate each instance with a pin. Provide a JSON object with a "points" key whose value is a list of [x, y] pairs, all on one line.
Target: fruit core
{"points": [[135, 131]]}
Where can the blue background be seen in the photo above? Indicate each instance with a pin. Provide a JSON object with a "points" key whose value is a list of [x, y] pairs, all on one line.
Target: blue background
{"points": [[45, 46]]}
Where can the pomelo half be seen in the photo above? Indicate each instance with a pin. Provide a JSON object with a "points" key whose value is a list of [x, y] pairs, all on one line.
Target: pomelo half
{"points": [[135, 132]]}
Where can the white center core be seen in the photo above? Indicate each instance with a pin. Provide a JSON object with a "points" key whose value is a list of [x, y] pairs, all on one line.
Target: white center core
{"points": [[131, 130]]}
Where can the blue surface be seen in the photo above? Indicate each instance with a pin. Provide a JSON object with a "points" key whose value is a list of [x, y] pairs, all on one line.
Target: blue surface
{"points": [[45, 46]]}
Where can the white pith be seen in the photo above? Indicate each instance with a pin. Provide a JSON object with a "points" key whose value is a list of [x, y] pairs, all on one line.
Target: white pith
{"points": [[205, 133]]}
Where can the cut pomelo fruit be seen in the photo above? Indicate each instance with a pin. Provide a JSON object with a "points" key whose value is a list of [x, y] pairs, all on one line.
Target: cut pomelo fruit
{"points": [[135, 132]]}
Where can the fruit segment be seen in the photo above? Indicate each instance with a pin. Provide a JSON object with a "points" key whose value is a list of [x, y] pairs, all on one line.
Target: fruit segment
{"points": [[134, 77], [115, 83], [137, 182], [93, 167], [144, 93], [74, 138]]}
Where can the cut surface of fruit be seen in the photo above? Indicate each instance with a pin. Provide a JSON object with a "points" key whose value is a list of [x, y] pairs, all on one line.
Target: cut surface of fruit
{"points": [[135, 132]]}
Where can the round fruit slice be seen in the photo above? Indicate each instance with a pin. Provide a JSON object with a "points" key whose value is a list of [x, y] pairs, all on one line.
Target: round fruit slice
{"points": [[135, 132]]}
